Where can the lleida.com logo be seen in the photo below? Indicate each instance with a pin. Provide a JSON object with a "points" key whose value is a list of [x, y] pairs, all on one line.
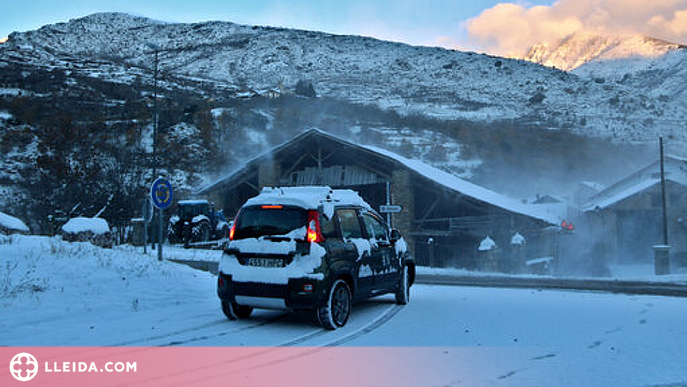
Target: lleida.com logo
{"points": [[24, 367]]}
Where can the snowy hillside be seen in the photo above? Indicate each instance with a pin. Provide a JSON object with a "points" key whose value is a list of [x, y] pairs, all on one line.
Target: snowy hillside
{"points": [[652, 66], [410, 80]]}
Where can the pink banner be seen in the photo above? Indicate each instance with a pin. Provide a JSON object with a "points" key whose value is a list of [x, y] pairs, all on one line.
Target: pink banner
{"points": [[232, 366]]}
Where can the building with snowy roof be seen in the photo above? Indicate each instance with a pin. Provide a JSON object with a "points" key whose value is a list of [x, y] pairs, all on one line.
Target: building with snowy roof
{"points": [[455, 214], [628, 214]]}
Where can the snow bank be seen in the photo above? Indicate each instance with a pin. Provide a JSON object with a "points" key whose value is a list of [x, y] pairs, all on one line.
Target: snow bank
{"points": [[94, 230], [12, 224], [84, 295], [193, 201], [97, 226]]}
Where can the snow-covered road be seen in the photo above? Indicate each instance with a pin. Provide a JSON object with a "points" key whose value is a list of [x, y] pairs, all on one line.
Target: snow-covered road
{"points": [[90, 297]]}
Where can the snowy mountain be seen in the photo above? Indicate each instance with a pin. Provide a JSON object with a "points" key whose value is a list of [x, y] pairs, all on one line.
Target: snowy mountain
{"points": [[582, 48], [428, 81], [652, 67]]}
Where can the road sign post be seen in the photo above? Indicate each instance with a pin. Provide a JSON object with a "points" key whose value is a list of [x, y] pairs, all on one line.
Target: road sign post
{"points": [[161, 195], [147, 215]]}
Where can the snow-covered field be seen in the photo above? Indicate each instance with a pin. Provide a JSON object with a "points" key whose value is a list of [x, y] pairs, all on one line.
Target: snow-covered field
{"points": [[68, 294]]}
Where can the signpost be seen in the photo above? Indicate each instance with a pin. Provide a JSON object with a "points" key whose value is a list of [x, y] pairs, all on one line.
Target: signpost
{"points": [[147, 215], [161, 195], [390, 209]]}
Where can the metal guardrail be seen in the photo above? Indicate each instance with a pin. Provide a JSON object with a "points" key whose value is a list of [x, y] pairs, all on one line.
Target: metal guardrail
{"points": [[209, 245]]}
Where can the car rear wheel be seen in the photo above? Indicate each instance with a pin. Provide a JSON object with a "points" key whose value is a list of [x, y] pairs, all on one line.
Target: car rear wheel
{"points": [[403, 292], [339, 301], [228, 310], [242, 311], [234, 311]]}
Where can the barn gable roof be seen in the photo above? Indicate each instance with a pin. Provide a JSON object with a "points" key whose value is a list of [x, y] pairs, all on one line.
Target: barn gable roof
{"points": [[420, 169], [639, 181]]}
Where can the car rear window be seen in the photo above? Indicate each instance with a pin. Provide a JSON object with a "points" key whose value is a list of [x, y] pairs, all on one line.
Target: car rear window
{"points": [[255, 222]]}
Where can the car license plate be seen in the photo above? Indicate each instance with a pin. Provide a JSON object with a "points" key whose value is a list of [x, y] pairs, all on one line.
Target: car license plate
{"points": [[265, 262]]}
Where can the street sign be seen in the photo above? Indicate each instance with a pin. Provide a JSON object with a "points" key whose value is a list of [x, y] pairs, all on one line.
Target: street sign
{"points": [[390, 209], [161, 193]]}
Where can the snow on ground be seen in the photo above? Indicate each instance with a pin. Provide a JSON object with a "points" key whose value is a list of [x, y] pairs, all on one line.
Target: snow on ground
{"points": [[60, 293], [619, 271]]}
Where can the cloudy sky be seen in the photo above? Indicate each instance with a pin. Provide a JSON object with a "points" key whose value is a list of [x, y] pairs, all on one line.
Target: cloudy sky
{"points": [[496, 27]]}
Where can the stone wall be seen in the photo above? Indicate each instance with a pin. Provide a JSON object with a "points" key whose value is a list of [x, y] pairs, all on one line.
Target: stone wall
{"points": [[403, 195]]}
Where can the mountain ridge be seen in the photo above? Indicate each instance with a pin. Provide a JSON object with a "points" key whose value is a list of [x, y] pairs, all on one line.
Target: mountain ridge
{"points": [[432, 81]]}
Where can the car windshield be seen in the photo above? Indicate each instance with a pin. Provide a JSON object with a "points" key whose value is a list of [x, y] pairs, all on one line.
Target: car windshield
{"points": [[255, 222]]}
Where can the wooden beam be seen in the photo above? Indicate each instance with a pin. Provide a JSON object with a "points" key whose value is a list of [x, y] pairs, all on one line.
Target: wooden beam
{"points": [[429, 211], [295, 164]]}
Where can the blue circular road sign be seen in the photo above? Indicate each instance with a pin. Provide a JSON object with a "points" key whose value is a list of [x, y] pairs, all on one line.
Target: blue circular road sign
{"points": [[161, 193]]}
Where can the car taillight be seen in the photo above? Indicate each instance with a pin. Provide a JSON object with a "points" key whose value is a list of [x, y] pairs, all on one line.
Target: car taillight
{"points": [[314, 233], [231, 231], [233, 226]]}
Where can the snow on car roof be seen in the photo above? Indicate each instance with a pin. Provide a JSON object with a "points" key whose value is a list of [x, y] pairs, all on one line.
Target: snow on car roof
{"points": [[310, 197], [95, 225], [11, 223]]}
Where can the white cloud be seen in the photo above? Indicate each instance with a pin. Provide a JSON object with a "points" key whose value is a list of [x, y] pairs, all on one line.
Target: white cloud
{"points": [[512, 28]]}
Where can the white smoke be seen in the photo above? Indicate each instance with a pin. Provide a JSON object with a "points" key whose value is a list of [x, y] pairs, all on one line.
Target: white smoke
{"points": [[512, 28]]}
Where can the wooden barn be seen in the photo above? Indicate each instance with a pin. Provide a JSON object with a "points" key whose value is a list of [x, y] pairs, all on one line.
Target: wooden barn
{"points": [[628, 216], [443, 217]]}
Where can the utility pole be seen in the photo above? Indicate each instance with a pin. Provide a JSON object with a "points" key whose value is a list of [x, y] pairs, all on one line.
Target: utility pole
{"points": [[663, 194], [662, 251], [155, 141]]}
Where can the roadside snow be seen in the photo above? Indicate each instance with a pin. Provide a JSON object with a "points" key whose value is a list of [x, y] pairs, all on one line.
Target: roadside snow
{"points": [[11, 223], [97, 226], [54, 292]]}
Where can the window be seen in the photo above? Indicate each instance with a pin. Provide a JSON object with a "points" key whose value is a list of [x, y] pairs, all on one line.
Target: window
{"points": [[254, 222], [375, 228], [350, 225], [328, 228]]}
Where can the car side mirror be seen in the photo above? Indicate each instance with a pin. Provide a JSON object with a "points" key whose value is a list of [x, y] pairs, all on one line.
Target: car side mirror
{"points": [[394, 235]]}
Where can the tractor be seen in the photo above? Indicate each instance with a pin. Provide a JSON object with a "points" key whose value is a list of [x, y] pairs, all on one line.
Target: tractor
{"points": [[197, 221]]}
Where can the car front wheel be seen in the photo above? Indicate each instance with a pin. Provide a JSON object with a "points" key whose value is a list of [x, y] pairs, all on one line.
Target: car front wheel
{"points": [[338, 307]]}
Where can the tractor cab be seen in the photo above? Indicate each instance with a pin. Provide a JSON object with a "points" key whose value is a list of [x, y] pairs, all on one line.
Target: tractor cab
{"points": [[196, 221]]}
